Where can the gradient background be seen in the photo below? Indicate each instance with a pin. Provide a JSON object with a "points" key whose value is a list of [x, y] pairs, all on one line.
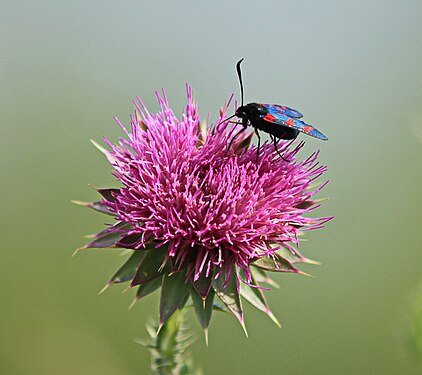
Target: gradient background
{"points": [[354, 69]]}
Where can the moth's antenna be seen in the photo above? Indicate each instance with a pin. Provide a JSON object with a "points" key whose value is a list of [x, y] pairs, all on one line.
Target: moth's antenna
{"points": [[239, 74]]}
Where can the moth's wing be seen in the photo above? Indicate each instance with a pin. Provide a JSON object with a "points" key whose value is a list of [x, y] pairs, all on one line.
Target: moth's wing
{"points": [[283, 110], [290, 122]]}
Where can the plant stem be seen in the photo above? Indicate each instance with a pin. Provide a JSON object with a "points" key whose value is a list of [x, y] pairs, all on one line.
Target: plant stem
{"points": [[168, 347]]}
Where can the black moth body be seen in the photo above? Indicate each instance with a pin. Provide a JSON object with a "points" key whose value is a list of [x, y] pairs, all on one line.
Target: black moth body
{"points": [[254, 113]]}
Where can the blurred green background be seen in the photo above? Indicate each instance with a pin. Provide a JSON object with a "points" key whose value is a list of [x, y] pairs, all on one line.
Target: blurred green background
{"points": [[354, 69]]}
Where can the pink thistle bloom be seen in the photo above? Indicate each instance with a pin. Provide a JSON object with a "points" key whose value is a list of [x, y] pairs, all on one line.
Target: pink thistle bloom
{"points": [[202, 219]]}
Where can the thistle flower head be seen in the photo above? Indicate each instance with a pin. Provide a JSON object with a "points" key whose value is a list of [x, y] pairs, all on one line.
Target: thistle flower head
{"points": [[201, 219]]}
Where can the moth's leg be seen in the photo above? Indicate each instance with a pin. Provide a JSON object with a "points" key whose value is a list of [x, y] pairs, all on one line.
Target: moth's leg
{"points": [[259, 145], [237, 134], [275, 141]]}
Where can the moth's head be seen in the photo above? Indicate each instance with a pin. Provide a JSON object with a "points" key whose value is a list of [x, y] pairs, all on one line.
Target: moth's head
{"points": [[242, 111], [251, 110]]}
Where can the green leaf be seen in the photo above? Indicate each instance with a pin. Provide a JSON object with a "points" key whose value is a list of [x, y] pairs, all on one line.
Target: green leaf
{"points": [[120, 227], [148, 288], [173, 294], [107, 238], [110, 157], [219, 307], [203, 284], [276, 264], [262, 277], [230, 297], [309, 203], [306, 204], [203, 307], [244, 143], [97, 206], [151, 266], [108, 193], [294, 256], [129, 241], [256, 298], [105, 241], [128, 270], [183, 301]]}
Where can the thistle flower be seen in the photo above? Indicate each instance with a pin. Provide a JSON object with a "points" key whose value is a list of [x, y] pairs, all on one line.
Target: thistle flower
{"points": [[201, 219]]}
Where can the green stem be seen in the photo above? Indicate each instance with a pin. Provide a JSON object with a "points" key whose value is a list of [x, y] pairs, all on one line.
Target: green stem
{"points": [[168, 347]]}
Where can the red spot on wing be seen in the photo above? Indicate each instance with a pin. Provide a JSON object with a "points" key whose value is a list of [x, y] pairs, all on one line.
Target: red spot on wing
{"points": [[269, 118], [290, 122], [307, 129]]}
